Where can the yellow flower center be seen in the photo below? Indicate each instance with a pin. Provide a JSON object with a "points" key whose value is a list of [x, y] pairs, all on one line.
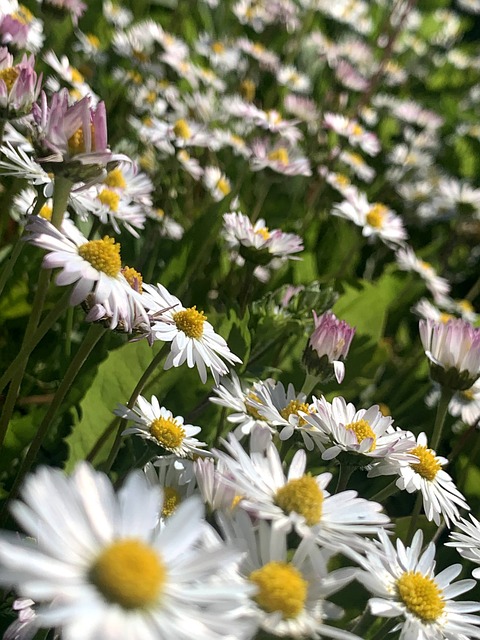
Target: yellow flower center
{"points": [[292, 408], [171, 500], [236, 501], [9, 75], [76, 142], [140, 55], [223, 186], [190, 321], [252, 410], [46, 212], [151, 97], [248, 89], [218, 47], [77, 77], [281, 587], [129, 573], [357, 130], [168, 432], [109, 198], [133, 277], [279, 155], [115, 179], [183, 155], [376, 215], [445, 317], [468, 395], [103, 255], [304, 496], [264, 232], [428, 467], [160, 213], [23, 15], [421, 595], [93, 40], [356, 159], [466, 306], [181, 129], [258, 48], [362, 430], [342, 180]]}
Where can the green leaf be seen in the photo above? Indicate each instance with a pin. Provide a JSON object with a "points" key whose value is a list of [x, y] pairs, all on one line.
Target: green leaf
{"points": [[21, 431]]}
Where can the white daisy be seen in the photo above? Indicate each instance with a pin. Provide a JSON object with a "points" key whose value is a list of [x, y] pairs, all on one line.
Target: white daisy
{"points": [[216, 491], [176, 478], [100, 568], [404, 583], [217, 183], [408, 261], [356, 134], [281, 158], [467, 543], [159, 425], [296, 500], [291, 588], [466, 404]]}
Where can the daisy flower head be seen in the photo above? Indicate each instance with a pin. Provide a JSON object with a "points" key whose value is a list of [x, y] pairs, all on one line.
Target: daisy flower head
{"points": [[466, 404], [216, 183], [193, 339], [453, 351], [295, 499], [175, 477], [357, 436], [357, 136], [217, 493], [408, 261], [19, 28], [467, 541], [280, 158], [328, 347], [155, 423], [19, 85], [93, 265], [404, 584], [290, 587], [100, 567]]}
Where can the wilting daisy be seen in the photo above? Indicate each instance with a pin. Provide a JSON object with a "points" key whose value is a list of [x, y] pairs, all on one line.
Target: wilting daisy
{"points": [[290, 588], [296, 500], [193, 339], [99, 567], [159, 425], [361, 436], [19, 85], [453, 351], [467, 541], [404, 584]]}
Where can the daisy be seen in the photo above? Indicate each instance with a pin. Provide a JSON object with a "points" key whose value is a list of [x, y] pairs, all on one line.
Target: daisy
{"points": [[19, 85], [466, 404], [101, 568], [404, 584], [297, 500], [453, 351], [217, 183], [280, 158], [356, 134], [193, 339], [93, 265], [358, 165], [215, 490], [290, 587], [439, 494], [159, 425], [361, 436], [467, 543], [116, 14], [176, 478], [408, 261]]}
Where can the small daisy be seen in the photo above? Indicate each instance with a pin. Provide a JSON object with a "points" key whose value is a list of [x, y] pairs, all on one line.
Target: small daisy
{"points": [[404, 584], [467, 543], [100, 567], [193, 338], [19, 85], [159, 425], [217, 183], [280, 158], [356, 134], [408, 261], [215, 490], [176, 478], [466, 404], [358, 165]]}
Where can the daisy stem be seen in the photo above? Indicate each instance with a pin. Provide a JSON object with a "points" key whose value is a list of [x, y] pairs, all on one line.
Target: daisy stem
{"points": [[387, 626], [414, 518], [363, 622], [61, 192], [309, 384], [343, 477], [133, 398], [445, 397], [94, 333]]}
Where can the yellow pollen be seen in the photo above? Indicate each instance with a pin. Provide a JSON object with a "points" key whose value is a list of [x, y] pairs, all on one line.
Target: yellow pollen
{"points": [[279, 155], [258, 48], [466, 305], [76, 75], [46, 212], [223, 186], [425, 265], [357, 130], [376, 215], [115, 179], [190, 321], [274, 116], [421, 595], [304, 496], [218, 47], [263, 232], [235, 502], [129, 573], [363, 430], [248, 89], [445, 317], [292, 408], [109, 198], [281, 587], [75, 94], [76, 142], [136, 77], [171, 500], [342, 180], [103, 255], [147, 121], [133, 277], [356, 159], [468, 395], [160, 213], [183, 155], [93, 40], [23, 15], [182, 130], [428, 467], [253, 411], [9, 75], [168, 432]]}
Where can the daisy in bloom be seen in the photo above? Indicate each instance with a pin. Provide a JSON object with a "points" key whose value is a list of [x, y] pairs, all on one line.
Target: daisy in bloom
{"points": [[467, 541], [453, 350], [19, 28], [217, 183], [215, 490], [358, 165], [375, 219], [328, 347], [408, 261], [99, 566], [296, 500], [193, 338], [159, 425], [233, 395], [290, 588], [93, 265], [176, 478], [280, 158], [365, 435], [355, 133], [466, 404], [425, 474], [19, 85], [404, 584]]}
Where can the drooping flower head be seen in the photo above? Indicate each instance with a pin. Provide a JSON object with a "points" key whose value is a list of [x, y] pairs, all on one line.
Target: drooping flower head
{"points": [[19, 85], [328, 347], [453, 350]]}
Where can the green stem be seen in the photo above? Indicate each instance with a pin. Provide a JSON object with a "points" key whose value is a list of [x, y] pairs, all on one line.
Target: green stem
{"points": [[309, 384], [386, 492], [343, 477], [414, 518], [384, 630], [61, 192], [68, 333], [94, 333], [442, 407], [362, 623], [133, 398]]}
